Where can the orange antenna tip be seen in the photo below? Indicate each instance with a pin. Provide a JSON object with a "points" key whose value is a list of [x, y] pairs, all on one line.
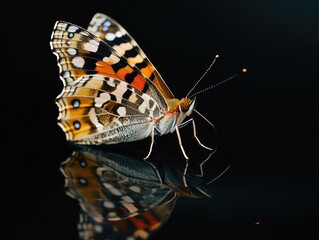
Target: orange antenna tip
{"points": [[244, 70]]}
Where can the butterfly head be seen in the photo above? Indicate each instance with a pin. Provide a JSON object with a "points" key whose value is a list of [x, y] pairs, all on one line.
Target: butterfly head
{"points": [[187, 105]]}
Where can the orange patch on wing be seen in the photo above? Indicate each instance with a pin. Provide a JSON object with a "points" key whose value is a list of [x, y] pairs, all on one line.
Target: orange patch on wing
{"points": [[104, 68], [147, 71], [77, 73], [140, 224], [76, 112], [154, 223], [121, 73], [138, 82]]}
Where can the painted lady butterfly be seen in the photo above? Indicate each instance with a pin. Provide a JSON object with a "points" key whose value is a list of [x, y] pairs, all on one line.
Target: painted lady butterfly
{"points": [[112, 92], [119, 196]]}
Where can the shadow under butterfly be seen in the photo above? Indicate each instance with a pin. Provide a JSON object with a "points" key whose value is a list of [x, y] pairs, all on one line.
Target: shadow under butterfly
{"points": [[122, 197]]}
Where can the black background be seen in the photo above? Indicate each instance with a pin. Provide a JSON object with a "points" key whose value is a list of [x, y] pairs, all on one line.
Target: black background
{"points": [[267, 119]]}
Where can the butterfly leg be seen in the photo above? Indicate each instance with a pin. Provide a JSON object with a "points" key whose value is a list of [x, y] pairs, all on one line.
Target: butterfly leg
{"points": [[194, 132], [152, 142], [183, 151], [195, 136], [180, 142]]}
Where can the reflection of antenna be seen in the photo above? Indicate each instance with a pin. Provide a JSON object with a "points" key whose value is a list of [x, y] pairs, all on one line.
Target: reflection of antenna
{"points": [[218, 175], [200, 79], [217, 84], [214, 150]]}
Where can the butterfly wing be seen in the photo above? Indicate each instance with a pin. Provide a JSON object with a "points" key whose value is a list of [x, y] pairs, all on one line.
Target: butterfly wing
{"points": [[116, 36], [105, 97]]}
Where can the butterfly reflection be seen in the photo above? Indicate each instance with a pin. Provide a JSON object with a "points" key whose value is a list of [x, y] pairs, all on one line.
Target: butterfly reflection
{"points": [[122, 196]]}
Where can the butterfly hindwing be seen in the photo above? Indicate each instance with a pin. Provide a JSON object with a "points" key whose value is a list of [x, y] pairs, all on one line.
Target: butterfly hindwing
{"points": [[96, 107]]}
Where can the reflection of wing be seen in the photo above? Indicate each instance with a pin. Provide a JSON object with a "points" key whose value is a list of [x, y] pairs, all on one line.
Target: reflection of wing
{"points": [[108, 194], [138, 227], [121, 196], [116, 36]]}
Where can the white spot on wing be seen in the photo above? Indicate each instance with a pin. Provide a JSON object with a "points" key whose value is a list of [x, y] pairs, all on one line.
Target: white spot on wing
{"points": [[136, 189], [141, 234], [91, 46], [112, 214], [118, 34], [133, 98], [110, 36], [108, 204], [94, 119], [112, 190], [121, 111], [107, 23], [72, 29], [128, 199], [76, 104], [77, 125], [141, 109], [67, 76], [126, 46], [71, 51], [119, 50], [98, 229], [103, 98], [111, 58], [130, 207], [137, 59], [78, 62], [111, 83]]}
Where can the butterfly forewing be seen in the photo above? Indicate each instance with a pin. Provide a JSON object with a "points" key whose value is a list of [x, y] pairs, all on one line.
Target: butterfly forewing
{"points": [[116, 36]]}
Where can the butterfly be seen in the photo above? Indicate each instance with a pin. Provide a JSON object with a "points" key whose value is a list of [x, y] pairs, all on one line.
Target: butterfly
{"points": [[112, 92], [119, 196]]}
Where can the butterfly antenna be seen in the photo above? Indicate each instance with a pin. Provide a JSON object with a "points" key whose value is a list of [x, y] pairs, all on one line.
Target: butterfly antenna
{"points": [[200, 79], [244, 70], [210, 123]]}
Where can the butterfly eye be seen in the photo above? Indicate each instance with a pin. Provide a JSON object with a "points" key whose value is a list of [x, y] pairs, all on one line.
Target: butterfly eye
{"points": [[187, 105]]}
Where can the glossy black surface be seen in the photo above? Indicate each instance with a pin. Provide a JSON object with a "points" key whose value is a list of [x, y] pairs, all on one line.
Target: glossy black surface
{"points": [[267, 119]]}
